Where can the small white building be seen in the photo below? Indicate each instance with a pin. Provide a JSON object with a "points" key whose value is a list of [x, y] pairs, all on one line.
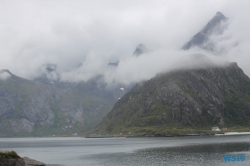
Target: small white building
{"points": [[216, 129]]}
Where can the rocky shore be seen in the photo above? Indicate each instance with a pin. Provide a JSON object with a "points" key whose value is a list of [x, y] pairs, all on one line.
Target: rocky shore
{"points": [[153, 135], [32, 162], [12, 159], [25, 161]]}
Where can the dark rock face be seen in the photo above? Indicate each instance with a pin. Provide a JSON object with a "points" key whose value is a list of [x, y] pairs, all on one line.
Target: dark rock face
{"points": [[215, 96], [25, 161], [140, 49], [215, 26], [12, 162]]}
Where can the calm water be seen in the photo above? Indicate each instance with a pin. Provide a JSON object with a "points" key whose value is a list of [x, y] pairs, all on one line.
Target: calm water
{"points": [[175, 151]]}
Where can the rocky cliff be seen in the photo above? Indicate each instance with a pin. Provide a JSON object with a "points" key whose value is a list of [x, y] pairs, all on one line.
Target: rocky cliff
{"points": [[183, 99], [35, 109]]}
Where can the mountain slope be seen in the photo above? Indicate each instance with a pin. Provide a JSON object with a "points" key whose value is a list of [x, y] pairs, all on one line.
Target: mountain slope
{"points": [[189, 99], [29, 108]]}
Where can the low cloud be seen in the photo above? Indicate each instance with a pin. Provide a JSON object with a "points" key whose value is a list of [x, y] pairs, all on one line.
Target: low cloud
{"points": [[135, 69], [4, 75], [82, 37]]}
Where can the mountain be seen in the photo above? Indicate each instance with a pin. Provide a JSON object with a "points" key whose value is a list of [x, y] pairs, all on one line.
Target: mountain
{"points": [[29, 108], [215, 26], [140, 49], [47, 105], [183, 100]]}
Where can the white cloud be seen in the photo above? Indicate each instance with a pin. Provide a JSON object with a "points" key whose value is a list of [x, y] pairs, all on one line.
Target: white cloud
{"points": [[94, 33], [4, 75]]}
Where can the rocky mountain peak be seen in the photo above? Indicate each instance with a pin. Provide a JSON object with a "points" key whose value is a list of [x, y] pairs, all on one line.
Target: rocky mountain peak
{"points": [[140, 49], [214, 23], [214, 27]]}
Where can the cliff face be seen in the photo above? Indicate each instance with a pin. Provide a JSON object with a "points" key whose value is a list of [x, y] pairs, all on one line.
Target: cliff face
{"points": [[194, 98], [34, 109]]}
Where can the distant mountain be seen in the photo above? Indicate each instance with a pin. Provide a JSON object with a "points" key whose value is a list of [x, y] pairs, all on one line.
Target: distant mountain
{"points": [[29, 108], [215, 26], [183, 99], [140, 49]]}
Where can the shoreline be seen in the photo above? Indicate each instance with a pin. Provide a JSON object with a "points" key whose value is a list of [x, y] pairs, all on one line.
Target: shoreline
{"points": [[171, 135], [153, 135], [234, 133]]}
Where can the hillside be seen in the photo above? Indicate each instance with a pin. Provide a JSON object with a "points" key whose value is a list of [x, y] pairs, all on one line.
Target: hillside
{"points": [[184, 99], [48, 106], [30, 108]]}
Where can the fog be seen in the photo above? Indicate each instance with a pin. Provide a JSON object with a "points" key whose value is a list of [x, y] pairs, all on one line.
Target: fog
{"points": [[4, 75], [82, 37]]}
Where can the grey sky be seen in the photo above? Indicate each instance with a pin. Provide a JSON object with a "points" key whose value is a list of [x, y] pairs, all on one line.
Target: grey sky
{"points": [[96, 32]]}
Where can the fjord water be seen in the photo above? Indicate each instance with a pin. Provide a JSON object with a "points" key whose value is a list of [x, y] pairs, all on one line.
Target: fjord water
{"points": [[76, 151]]}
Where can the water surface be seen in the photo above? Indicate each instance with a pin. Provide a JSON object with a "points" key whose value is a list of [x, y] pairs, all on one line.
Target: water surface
{"points": [[75, 151]]}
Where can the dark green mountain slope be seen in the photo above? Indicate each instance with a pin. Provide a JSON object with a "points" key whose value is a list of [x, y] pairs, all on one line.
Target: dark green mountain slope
{"points": [[184, 99]]}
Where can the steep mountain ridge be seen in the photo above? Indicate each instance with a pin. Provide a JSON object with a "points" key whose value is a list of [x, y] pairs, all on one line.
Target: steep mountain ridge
{"points": [[216, 26]]}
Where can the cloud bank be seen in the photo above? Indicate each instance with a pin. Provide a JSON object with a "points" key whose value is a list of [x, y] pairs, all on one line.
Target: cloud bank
{"points": [[82, 37]]}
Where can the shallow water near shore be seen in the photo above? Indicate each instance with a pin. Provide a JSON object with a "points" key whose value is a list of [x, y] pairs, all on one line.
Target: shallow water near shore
{"points": [[76, 151]]}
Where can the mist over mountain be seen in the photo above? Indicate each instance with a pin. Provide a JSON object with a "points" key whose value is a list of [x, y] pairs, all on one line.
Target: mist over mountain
{"points": [[140, 49], [114, 63], [71, 62], [216, 26], [30, 108], [73, 34]]}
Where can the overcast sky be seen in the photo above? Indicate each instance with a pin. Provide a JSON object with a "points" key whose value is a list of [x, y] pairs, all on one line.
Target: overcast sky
{"points": [[96, 32]]}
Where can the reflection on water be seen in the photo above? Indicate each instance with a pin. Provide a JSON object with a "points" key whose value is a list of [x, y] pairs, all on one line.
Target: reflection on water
{"points": [[209, 154], [174, 151]]}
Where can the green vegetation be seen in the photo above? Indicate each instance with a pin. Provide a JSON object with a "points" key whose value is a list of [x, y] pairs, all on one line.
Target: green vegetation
{"points": [[47, 110], [183, 102], [9, 155]]}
